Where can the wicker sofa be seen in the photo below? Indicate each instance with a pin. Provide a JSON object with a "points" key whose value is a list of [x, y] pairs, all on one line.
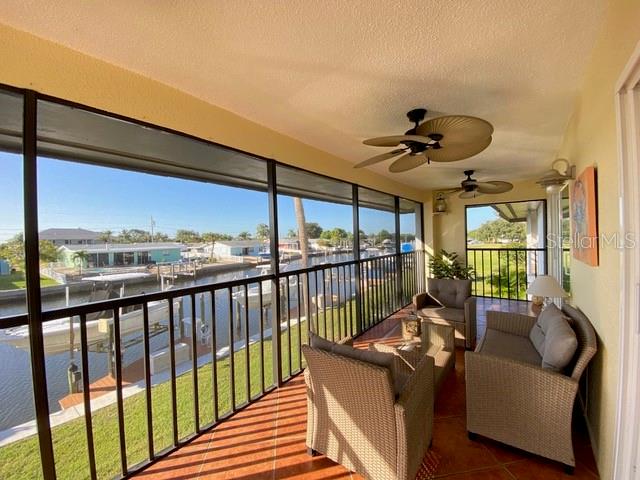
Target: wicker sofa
{"points": [[449, 301], [511, 398]]}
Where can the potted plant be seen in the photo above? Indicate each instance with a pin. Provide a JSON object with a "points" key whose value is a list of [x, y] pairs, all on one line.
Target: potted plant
{"points": [[447, 265]]}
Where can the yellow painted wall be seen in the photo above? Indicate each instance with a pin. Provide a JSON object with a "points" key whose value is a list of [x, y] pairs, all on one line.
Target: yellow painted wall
{"points": [[27, 61], [590, 139], [448, 228]]}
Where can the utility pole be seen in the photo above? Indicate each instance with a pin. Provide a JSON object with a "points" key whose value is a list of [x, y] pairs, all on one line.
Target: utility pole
{"points": [[153, 225]]}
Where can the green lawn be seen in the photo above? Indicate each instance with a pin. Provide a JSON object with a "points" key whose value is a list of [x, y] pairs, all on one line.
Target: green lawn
{"points": [[17, 280], [499, 273], [20, 460]]}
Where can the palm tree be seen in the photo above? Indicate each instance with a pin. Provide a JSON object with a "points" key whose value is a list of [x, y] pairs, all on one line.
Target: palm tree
{"points": [[79, 258], [106, 236], [304, 250], [302, 231], [212, 238], [262, 231]]}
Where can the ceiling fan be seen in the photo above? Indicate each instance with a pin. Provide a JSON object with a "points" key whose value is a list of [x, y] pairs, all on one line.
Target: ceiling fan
{"points": [[442, 139], [471, 188]]}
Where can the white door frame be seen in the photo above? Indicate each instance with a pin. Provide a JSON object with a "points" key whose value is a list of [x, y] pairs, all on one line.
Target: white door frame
{"points": [[627, 100]]}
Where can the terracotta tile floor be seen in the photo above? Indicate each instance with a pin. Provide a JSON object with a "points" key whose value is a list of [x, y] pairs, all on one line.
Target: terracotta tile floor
{"points": [[266, 440]]}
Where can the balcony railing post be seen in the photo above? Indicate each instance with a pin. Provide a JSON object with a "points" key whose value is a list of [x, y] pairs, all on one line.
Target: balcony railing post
{"points": [[32, 275], [401, 291], [275, 270], [86, 398], [422, 286], [194, 363], [356, 257]]}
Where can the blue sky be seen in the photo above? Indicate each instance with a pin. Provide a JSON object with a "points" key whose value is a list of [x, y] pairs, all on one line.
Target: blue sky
{"points": [[99, 198], [476, 216]]}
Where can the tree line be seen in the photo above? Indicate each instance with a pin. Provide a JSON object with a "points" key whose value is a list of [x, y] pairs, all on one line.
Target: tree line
{"points": [[262, 232], [499, 230], [13, 249]]}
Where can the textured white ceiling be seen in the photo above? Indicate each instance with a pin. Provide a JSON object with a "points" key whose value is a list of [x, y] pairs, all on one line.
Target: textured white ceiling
{"points": [[334, 72]]}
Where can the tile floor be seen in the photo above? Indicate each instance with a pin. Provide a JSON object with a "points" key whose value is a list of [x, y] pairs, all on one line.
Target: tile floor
{"points": [[266, 440]]}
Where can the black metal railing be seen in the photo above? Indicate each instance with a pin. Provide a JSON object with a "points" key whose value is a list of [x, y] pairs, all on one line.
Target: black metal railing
{"points": [[181, 361], [505, 272]]}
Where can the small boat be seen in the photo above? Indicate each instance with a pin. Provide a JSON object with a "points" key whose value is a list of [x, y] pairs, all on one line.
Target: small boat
{"points": [[253, 291], [253, 295], [59, 334]]}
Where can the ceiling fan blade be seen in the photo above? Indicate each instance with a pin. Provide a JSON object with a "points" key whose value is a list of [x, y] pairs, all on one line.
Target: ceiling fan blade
{"points": [[380, 158], [451, 191], [456, 129], [494, 187], [471, 194], [407, 162], [453, 153], [394, 140]]}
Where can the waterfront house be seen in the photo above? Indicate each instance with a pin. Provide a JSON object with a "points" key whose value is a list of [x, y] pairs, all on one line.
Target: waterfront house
{"points": [[70, 236], [197, 251], [121, 254], [289, 244], [236, 248]]}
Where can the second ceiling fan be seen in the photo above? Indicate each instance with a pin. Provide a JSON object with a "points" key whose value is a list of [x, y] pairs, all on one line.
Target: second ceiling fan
{"points": [[442, 139], [472, 188]]}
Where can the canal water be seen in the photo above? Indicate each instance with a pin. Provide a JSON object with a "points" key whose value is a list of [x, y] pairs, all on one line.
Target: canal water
{"points": [[16, 399]]}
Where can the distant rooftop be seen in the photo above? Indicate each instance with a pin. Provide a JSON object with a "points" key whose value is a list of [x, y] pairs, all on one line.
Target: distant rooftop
{"points": [[123, 247], [68, 234], [241, 243]]}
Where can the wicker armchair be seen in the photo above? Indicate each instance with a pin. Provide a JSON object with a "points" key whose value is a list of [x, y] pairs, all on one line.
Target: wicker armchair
{"points": [[449, 302], [522, 404], [355, 418]]}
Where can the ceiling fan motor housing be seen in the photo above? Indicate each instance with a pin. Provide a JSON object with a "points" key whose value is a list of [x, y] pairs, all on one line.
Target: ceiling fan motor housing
{"points": [[469, 184], [416, 115]]}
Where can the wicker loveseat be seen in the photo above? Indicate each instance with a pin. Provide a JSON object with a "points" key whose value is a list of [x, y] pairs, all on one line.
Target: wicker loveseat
{"points": [[511, 398], [449, 301], [357, 419]]}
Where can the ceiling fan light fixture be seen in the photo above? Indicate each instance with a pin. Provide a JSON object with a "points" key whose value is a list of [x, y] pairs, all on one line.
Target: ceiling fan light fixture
{"points": [[469, 194]]}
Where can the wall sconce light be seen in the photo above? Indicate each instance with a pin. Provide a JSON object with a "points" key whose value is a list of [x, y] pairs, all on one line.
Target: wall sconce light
{"points": [[440, 205], [554, 179]]}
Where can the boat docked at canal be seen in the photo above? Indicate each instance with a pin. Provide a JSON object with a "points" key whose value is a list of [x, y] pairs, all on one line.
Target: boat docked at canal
{"points": [[62, 335]]}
